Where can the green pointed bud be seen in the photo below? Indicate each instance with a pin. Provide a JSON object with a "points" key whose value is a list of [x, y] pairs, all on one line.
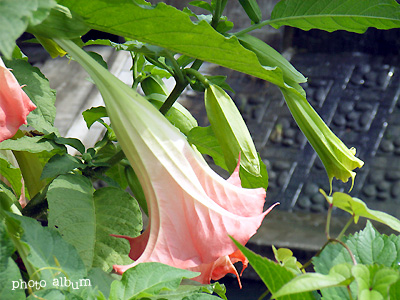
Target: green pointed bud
{"points": [[231, 131], [339, 161]]}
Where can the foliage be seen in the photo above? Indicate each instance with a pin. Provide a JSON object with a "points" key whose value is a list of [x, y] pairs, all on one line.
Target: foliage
{"points": [[62, 244]]}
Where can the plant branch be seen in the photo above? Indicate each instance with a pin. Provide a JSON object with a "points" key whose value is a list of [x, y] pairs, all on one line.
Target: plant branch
{"points": [[253, 27], [349, 222], [176, 92], [328, 221], [198, 76]]}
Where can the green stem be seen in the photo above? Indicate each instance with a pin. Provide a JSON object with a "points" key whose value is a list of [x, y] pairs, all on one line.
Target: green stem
{"points": [[116, 158], [197, 64], [253, 27], [349, 222], [263, 295], [347, 248], [328, 221], [198, 75], [134, 73], [176, 92], [219, 7], [177, 69]]}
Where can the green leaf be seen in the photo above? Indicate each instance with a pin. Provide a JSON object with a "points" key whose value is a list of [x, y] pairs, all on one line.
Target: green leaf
{"points": [[374, 281], [15, 17], [77, 144], [358, 208], [339, 275], [36, 144], [272, 274], [368, 247], [38, 90], [394, 291], [101, 280], [9, 273], [11, 173], [86, 219], [205, 141], [174, 31], [61, 23], [44, 252], [60, 164], [331, 15], [93, 114], [147, 280], [202, 4]]}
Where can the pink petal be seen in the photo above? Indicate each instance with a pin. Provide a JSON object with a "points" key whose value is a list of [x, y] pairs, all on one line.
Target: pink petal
{"points": [[15, 105], [192, 213]]}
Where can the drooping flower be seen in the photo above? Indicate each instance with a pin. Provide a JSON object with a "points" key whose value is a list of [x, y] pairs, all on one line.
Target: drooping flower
{"points": [[339, 161], [15, 105], [192, 209]]}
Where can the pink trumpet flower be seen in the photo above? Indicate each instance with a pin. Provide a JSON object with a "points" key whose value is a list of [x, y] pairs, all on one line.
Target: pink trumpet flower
{"points": [[192, 209], [15, 105]]}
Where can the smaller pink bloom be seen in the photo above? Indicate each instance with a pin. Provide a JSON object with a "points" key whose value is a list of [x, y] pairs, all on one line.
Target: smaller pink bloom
{"points": [[15, 105]]}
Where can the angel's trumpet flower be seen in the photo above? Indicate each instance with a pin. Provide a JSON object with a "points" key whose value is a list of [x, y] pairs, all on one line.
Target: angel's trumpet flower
{"points": [[192, 209]]}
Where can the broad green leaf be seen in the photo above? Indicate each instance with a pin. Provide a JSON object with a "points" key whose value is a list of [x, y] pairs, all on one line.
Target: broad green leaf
{"points": [[11, 173], [394, 291], [331, 15], [35, 144], [101, 280], [186, 292], [358, 208], [46, 255], [147, 280], [202, 4], [77, 144], [9, 273], [374, 281], [93, 114], [60, 164], [15, 17], [86, 219], [339, 275], [132, 45], [174, 31], [54, 294], [205, 141], [272, 274], [231, 131], [38, 90], [368, 247], [60, 23]]}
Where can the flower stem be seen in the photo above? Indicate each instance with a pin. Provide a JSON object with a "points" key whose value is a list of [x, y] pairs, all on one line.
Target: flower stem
{"points": [[349, 222], [328, 221], [176, 92], [198, 76], [253, 27]]}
